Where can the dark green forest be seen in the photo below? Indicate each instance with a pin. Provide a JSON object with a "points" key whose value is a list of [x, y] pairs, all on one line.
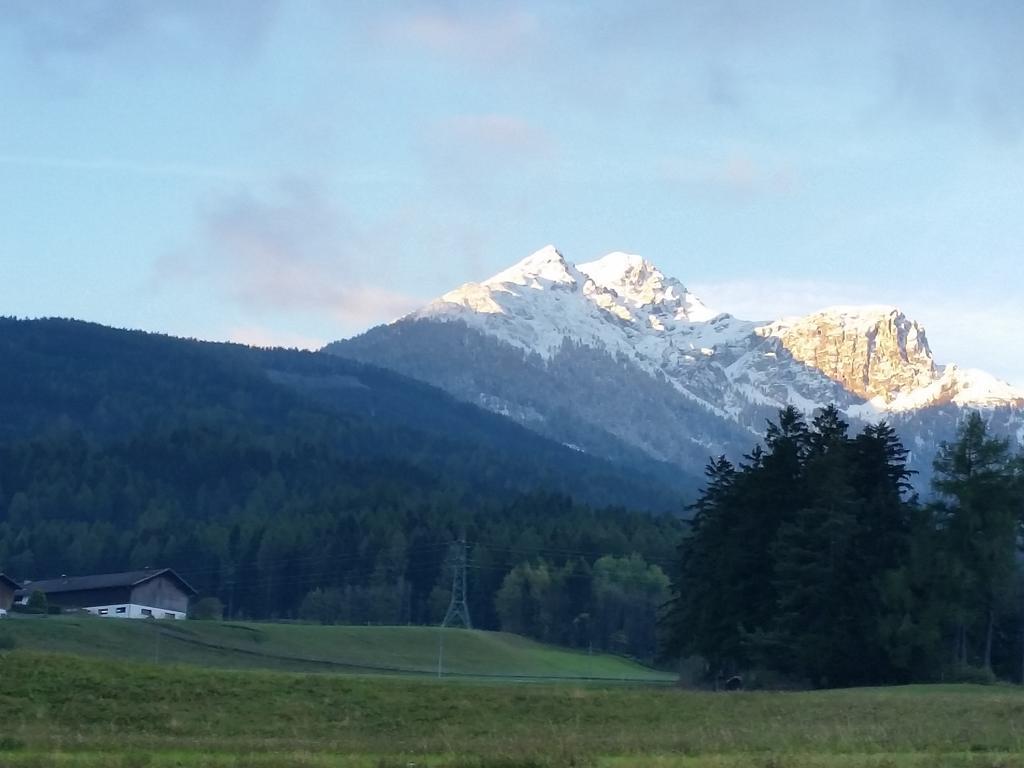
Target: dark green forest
{"points": [[61, 376], [813, 562], [293, 485], [300, 486]]}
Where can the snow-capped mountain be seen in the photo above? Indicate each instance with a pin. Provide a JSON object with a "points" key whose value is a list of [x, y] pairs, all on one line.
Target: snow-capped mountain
{"points": [[613, 356]]}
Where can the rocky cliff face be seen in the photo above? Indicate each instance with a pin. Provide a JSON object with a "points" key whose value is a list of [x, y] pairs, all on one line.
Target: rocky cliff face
{"points": [[873, 352]]}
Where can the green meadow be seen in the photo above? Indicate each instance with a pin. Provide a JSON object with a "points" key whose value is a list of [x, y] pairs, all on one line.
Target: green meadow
{"points": [[409, 651], [89, 692], [77, 710]]}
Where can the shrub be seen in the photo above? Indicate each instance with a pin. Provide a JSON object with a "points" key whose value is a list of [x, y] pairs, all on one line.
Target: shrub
{"points": [[37, 602], [973, 675], [10, 744], [207, 609]]}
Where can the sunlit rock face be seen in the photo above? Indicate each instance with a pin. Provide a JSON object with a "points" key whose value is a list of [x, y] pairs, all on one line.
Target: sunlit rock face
{"points": [[873, 352]]}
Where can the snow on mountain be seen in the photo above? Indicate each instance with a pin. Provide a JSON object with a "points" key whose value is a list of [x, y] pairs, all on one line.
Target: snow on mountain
{"points": [[638, 283], [545, 267], [614, 301], [532, 305], [658, 338], [624, 304], [621, 304], [966, 388]]}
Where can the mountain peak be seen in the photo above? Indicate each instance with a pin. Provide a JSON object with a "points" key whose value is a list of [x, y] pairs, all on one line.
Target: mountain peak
{"points": [[640, 283], [618, 264], [547, 264], [618, 269]]}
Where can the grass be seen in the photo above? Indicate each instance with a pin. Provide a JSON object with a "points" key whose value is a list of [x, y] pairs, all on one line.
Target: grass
{"points": [[313, 648], [76, 711]]}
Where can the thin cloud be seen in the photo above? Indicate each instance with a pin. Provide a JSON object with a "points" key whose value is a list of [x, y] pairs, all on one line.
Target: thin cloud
{"points": [[487, 159], [939, 65], [738, 172], [289, 255], [50, 30], [476, 35], [105, 165], [492, 133], [773, 298]]}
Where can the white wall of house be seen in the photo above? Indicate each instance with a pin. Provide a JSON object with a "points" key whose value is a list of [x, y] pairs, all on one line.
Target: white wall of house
{"points": [[134, 611]]}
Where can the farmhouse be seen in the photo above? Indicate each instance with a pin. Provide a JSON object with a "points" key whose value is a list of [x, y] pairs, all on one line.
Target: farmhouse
{"points": [[8, 587], [156, 594]]}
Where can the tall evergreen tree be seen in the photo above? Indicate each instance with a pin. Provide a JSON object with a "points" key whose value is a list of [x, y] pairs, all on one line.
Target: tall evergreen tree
{"points": [[980, 515], [803, 559], [816, 623], [704, 613]]}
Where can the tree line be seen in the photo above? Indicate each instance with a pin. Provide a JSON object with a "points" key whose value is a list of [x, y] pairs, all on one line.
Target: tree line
{"points": [[813, 560], [275, 524]]}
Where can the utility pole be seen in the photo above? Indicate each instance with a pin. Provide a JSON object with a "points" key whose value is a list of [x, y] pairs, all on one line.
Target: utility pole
{"points": [[440, 652], [1022, 642], [458, 610]]}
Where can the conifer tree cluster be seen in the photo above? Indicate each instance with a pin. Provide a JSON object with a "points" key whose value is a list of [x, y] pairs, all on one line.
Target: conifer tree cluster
{"points": [[813, 559]]}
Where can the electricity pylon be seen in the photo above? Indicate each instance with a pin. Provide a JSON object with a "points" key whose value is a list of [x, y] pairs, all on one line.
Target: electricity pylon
{"points": [[458, 610]]}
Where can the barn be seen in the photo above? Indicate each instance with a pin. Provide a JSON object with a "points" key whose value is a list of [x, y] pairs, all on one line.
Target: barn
{"points": [[8, 587], [149, 594]]}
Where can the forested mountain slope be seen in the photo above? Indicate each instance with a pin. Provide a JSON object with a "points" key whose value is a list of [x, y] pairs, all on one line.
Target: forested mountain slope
{"points": [[292, 484], [65, 376]]}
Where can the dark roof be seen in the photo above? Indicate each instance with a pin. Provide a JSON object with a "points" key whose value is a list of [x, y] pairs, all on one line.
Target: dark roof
{"points": [[103, 581], [9, 581]]}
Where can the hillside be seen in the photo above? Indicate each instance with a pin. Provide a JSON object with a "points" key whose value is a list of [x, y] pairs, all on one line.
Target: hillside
{"points": [[411, 651], [114, 384]]}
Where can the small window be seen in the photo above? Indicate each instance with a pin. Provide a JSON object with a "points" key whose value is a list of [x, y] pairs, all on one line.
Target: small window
{"points": [[122, 609], [168, 615], [103, 611], [146, 612]]}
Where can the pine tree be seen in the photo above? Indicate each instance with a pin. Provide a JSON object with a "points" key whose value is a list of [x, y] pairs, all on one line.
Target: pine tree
{"points": [[979, 514], [809, 559], [703, 615], [815, 627]]}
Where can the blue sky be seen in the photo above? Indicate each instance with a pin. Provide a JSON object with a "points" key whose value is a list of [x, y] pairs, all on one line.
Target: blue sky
{"points": [[294, 172]]}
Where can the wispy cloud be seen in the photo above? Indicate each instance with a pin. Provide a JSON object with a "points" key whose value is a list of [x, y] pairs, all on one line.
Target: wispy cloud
{"points": [[478, 34], [486, 159], [947, 66], [737, 172], [52, 32], [773, 298], [108, 165], [291, 254], [492, 133]]}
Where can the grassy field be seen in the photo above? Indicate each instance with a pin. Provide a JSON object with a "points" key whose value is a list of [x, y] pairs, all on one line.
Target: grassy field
{"points": [[76, 711], [313, 648]]}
